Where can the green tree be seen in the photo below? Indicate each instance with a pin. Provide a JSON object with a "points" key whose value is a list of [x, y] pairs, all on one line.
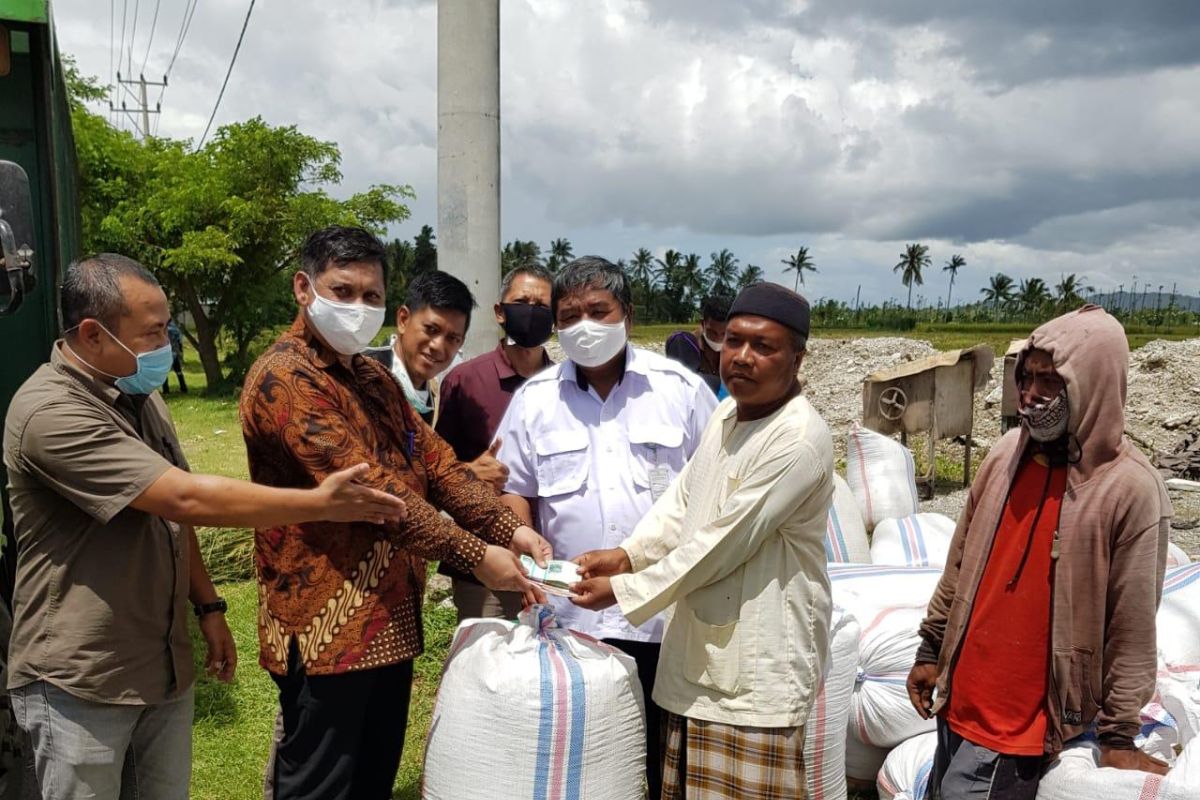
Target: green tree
{"points": [[913, 260], [221, 226], [749, 274], [1069, 292], [561, 254], [722, 272], [519, 253], [644, 275], [400, 256], [1032, 296], [955, 263], [424, 257], [799, 263], [673, 297], [692, 276], [998, 292]]}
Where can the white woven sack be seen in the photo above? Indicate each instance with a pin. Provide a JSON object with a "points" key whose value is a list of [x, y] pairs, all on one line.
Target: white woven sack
{"points": [[881, 474], [1178, 693], [1077, 775], [531, 710], [918, 540], [1176, 557], [1187, 766], [880, 711], [905, 773], [845, 533], [863, 761], [866, 589], [1178, 620], [825, 731]]}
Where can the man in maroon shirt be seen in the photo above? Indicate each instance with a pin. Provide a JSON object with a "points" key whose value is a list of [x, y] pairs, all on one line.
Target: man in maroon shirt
{"points": [[474, 397]]}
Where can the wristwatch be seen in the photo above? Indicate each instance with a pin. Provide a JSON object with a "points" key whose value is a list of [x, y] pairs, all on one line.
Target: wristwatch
{"points": [[211, 608]]}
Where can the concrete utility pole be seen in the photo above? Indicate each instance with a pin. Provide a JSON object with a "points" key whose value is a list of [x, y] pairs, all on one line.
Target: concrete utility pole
{"points": [[469, 155], [141, 103]]}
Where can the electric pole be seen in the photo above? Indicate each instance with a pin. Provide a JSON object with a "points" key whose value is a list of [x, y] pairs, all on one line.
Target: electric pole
{"points": [[141, 103]]}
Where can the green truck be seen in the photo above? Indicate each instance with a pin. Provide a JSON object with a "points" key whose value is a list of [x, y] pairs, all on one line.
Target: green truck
{"points": [[39, 236]]}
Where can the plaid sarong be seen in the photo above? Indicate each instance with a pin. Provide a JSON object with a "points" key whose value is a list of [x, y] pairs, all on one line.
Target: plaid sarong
{"points": [[711, 761]]}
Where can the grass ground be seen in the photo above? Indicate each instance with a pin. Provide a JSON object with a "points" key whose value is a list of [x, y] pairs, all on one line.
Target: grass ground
{"points": [[233, 724]]}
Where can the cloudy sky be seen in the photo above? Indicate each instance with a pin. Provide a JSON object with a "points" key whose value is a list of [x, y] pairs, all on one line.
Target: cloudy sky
{"points": [[1033, 138]]}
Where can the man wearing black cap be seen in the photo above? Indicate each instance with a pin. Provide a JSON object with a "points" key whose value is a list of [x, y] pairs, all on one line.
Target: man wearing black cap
{"points": [[736, 546]]}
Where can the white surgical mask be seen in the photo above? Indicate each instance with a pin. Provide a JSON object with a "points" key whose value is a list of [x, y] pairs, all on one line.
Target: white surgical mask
{"points": [[346, 327], [590, 344], [713, 344]]}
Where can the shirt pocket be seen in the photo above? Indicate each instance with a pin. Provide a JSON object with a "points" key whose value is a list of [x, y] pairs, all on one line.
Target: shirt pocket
{"points": [[654, 446], [712, 658], [562, 462]]}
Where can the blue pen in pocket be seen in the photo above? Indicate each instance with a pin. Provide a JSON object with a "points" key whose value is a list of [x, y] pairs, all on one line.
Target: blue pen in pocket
{"points": [[409, 443]]}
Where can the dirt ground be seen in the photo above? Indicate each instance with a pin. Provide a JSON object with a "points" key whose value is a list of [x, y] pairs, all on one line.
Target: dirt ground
{"points": [[1163, 406]]}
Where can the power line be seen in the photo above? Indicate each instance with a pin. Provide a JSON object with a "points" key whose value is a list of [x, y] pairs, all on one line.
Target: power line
{"points": [[137, 6], [150, 41], [112, 40], [189, 11], [229, 72], [121, 49]]}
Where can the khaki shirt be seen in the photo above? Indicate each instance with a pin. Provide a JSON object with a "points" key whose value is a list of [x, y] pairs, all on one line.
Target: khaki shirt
{"points": [[101, 602]]}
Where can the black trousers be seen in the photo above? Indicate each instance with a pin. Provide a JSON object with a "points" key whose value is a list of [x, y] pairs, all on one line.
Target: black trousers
{"points": [[963, 770], [645, 654], [342, 734]]}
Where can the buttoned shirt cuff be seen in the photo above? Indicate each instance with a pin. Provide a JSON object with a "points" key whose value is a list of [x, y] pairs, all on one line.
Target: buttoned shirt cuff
{"points": [[636, 554], [468, 551], [501, 529]]}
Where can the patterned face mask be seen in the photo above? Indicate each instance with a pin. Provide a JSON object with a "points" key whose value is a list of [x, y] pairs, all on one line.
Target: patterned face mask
{"points": [[1047, 421]]}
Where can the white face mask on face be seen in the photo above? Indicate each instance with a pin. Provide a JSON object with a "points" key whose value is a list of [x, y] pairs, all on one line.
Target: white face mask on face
{"points": [[346, 327], [590, 344], [713, 344]]}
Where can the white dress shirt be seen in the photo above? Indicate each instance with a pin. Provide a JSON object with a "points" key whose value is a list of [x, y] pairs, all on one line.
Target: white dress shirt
{"points": [[595, 466], [736, 550]]}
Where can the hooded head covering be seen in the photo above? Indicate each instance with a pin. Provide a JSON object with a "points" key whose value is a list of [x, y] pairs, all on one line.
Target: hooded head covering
{"points": [[1091, 353]]}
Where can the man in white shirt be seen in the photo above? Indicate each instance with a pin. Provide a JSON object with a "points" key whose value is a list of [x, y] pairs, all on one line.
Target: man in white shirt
{"points": [[591, 443], [735, 550]]}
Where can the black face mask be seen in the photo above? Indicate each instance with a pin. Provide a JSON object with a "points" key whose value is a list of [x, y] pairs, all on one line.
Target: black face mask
{"points": [[527, 325]]}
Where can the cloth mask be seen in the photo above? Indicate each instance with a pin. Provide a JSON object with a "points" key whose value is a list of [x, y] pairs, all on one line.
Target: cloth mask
{"points": [[421, 401], [712, 344], [589, 343], [527, 325], [153, 366], [346, 327], [1047, 421]]}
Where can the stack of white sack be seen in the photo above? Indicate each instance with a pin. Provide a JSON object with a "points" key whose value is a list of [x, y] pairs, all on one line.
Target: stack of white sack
{"points": [[825, 731], [529, 709], [881, 474], [1176, 557], [905, 773], [889, 603], [1077, 775], [845, 534], [918, 540], [1178, 620]]}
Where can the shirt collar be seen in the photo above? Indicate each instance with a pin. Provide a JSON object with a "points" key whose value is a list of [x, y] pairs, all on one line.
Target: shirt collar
{"points": [[321, 354], [105, 391], [633, 363], [504, 367]]}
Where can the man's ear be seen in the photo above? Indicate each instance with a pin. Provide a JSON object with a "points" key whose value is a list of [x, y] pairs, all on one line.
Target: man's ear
{"points": [[302, 288], [629, 315], [89, 333], [403, 315], [499, 312]]}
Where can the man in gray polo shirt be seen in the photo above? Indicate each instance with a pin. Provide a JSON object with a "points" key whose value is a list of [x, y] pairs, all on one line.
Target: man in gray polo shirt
{"points": [[100, 662]]}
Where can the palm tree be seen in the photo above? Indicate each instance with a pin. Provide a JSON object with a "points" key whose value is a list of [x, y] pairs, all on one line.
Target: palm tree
{"points": [[643, 274], [998, 291], [692, 276], [673, 286], [914, 259], [1032, 295], [798, 264], [749, 274], [561, 253], [520, 254], [722, 272], [1069, 292], [955, 263]]}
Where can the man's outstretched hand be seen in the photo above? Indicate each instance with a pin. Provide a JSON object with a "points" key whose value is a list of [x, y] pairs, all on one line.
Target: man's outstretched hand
{"points": [[603, 563], [1131, 759], [526, 541], [593, 594], [344, 500], [500, 571], [921, 680]]}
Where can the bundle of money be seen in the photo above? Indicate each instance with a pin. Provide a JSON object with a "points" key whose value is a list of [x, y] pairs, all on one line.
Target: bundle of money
{"points": [[555, 577]]}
